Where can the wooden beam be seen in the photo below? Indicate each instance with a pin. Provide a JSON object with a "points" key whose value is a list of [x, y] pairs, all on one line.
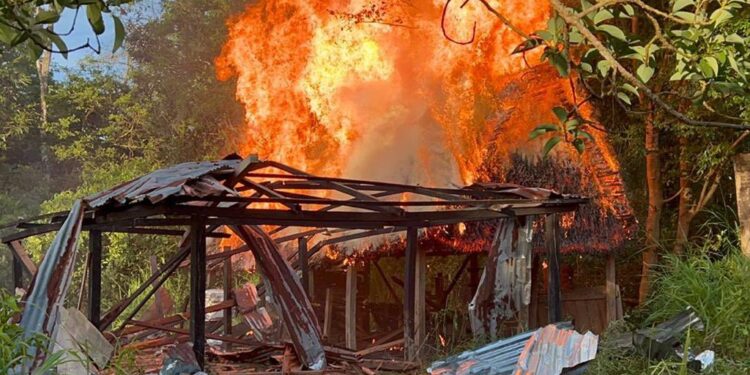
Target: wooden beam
{"points": [[420, 313], [410, 293], [303, 265], [351, 307], [19, 252], [552, 243], [611, 288], [95, 277], [457, 277], [198, 289]]}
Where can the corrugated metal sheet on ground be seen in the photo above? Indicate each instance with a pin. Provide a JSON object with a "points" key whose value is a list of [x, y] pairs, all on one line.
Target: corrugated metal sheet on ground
{"points": [[545, 351]]}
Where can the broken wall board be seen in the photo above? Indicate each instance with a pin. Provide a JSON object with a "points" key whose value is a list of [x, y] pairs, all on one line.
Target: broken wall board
{"points": [[76, 335]]}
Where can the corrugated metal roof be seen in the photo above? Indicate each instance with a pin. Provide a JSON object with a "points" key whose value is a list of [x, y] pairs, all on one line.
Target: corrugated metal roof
{"points": [[51, 282], [191, 179], [545, 351]]}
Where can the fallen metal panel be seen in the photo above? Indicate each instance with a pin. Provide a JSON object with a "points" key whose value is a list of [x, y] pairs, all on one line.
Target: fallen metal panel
{"points": [[504, 357], [48, 289], [287, 291], [550, 350], [186, 179]]}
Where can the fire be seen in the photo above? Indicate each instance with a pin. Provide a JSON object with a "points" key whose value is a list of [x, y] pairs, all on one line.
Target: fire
{"points": [[374, 89]]}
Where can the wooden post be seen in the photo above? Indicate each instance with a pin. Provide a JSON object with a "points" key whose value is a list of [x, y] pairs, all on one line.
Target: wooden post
{"points": [[328, 314], [17, 272], [409, 293], [351, 307], [474, 272], [227, 293], [198, 289], [611, 289], [95, 277], [304, 266], [742, 185], [552, 243], [420, 316]]}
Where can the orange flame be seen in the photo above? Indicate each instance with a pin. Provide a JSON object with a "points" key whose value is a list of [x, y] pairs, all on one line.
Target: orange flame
{"points": [[374, 89]]}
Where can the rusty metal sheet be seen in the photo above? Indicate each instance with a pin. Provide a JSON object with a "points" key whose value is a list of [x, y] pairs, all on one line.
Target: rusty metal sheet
{"points": [[545, 351], [295, 308], [48, 289], [521, 191], [196, 179], [550, 350]]}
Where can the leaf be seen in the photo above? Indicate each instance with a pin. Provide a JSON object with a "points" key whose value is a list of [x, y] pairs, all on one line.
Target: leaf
{"points": [[59, 43], [603, 67], [578, 144], [586, 135], [733, 64], [644, 73], [735, 38], [94, 15], [709, 66], [572, 124], [612, 30], [551, 143], [629, 10], [603, 15], [7, 34], [720, 15], [542, 129], [687, 16], [629, 88], [624, 97], [557, 60], [119, 34], [46, 17], [19, 38], [586, 67], [681, 4], [561, 113]]}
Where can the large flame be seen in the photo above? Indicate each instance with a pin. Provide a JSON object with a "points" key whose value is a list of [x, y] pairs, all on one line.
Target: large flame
{"points": [[374, 89]]}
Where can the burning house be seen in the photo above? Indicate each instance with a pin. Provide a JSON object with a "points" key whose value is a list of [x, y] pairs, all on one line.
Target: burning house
{"points": [[365, 104]]}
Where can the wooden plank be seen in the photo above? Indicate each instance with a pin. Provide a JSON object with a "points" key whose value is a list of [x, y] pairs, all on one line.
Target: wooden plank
{"points": [[198, 289], [328, 314], [174, 319], [409, 293], [95, 277], [552, 243], [350, 319], [420, 289], [611, 289]]}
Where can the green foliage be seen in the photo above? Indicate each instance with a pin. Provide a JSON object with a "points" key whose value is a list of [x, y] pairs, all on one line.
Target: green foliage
{"points": [[569, 128], [688, 53], [15, 348], [30, 24]]}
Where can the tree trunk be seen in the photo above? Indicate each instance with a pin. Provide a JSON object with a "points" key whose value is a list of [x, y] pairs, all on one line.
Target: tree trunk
{"points": [[655, 203], [685, 214]]}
